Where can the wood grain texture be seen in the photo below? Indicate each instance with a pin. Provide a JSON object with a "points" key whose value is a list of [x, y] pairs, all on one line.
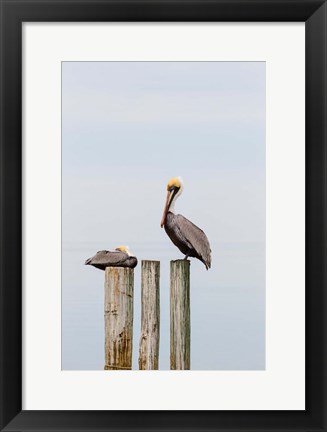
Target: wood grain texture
{"points": [[150, 316], [118, 317], [180, 325]]}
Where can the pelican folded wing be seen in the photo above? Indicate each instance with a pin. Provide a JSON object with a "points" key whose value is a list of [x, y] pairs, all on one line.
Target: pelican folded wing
{"points": [[104, 258], [197, 238]]}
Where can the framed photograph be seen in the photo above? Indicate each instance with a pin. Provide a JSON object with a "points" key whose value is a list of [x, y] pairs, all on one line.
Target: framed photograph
{"points": [[163, 217]]}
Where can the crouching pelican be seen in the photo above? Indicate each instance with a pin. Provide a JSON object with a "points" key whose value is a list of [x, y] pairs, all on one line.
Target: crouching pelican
{"points": [[120, 257], [189, 239]]}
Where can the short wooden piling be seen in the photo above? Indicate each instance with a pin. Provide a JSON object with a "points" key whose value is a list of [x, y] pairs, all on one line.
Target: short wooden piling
{"points": [[150, 315], [180, 325], [118, 317]]}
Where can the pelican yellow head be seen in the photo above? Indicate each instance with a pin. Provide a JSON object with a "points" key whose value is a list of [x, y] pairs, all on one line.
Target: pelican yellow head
{"points": [[175, 182], [124, 249]]}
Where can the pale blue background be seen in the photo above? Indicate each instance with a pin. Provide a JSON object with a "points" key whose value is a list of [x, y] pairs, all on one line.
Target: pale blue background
{"points": [[127, 127]]}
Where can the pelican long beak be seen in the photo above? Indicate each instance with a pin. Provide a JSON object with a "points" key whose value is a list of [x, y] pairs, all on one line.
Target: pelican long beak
{"points": [[164, 215]]}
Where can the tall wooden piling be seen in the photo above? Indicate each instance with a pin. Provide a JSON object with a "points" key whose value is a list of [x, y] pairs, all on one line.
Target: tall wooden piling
{"points": [[150, 315], [118, 317], [180, 325]]}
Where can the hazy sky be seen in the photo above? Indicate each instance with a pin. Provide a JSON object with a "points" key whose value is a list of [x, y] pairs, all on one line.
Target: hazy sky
{"points": [[127, 127]]}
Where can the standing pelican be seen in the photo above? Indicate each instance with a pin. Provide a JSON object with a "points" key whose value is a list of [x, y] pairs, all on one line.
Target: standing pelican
{"points": [[120, 257], [189, 239]]}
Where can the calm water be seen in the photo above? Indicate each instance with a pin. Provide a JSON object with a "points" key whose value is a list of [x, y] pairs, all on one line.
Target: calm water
{"points": [[227, 307]]}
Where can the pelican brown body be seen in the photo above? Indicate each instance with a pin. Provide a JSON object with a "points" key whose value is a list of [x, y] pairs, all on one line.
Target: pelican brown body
{"points": [[120, 257], [189, 238]]}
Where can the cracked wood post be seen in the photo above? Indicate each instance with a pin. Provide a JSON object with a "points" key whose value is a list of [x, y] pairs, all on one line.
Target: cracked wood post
{"points": [[118, 317], [180, 325], [150, 316]]}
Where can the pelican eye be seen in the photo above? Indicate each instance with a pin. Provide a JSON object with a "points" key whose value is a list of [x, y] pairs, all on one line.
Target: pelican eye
{"points": [[172, 188]]}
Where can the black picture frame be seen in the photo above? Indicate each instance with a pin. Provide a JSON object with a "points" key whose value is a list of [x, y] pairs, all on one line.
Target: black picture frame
{"points": [[13, 14]]}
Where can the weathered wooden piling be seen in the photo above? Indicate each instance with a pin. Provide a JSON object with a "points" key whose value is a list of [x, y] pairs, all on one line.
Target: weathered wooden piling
{"points": [[118, 317], [150, 315], [180, 325]]}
